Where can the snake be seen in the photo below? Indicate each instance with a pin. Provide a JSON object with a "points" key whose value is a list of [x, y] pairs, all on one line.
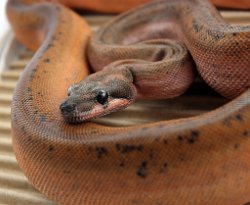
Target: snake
{"points": [[117, 6], [196, 160]]}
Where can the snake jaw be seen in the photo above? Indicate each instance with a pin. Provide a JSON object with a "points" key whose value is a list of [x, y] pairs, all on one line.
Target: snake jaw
{"points": [[98, 110]]}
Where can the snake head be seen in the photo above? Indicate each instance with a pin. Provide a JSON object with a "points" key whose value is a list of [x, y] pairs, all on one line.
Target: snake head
{"points": [[94, 98]]}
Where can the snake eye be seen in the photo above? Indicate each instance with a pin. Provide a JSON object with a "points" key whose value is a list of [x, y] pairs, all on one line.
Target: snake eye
{"points": [[102, 97]]}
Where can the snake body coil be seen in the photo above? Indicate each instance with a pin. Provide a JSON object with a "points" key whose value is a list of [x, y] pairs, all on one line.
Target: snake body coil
{"points": [[197, 160]]}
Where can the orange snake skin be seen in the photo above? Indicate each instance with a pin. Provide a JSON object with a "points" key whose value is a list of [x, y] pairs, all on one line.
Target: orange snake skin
{"points": [[197, 160], [117, 6]]}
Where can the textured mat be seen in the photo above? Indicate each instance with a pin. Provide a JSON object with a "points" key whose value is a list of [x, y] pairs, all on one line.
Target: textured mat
{"points": [[14, 187]]}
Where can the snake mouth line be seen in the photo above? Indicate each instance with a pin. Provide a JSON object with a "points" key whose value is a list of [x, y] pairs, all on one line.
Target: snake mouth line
{"points": [[98, 110]]}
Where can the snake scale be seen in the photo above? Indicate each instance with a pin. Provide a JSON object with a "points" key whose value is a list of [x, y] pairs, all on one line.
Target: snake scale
{"points": [[116, 6], [197, 160]]}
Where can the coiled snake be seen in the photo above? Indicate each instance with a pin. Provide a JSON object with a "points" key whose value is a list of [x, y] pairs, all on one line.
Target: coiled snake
{"points": [[186, 161]]}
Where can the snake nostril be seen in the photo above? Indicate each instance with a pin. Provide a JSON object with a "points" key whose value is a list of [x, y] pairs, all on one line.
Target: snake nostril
{"points": [[67, 107]]}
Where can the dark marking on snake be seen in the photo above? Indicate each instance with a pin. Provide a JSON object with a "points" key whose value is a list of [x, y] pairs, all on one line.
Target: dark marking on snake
{"points": [[50, 45], [142, 170], [124, 149], [180, 138], [195, 26], [239, 117], [193, 137], [216, 36], [53, 38], [163, 167], [227, 121], [101, 151], [51, 148], [181, 158], [245, 133], [46, 60], [29, 90], [236, 146]]}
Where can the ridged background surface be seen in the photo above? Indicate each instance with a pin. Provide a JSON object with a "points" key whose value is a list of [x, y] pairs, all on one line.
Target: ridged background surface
{"points": [[14, 187]]}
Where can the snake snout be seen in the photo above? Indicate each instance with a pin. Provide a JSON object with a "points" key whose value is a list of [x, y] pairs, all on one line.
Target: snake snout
{"points": [[66, 107]]}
